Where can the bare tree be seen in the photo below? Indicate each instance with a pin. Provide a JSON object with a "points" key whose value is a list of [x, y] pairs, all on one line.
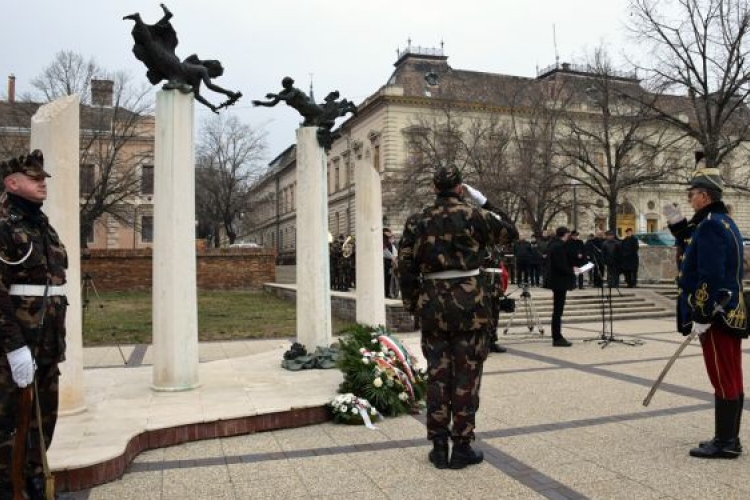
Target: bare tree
{"points": [[448, 135], [229, 155], [69, 73], [617, 143], [535, 178], [116, 152], [698, 49], [116, 135]]}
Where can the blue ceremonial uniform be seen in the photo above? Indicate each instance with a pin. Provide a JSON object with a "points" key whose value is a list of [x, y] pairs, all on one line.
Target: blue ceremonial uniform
{"points": [[711, 269]]}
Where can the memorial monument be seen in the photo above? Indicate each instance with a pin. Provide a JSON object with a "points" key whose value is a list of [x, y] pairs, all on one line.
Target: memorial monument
{"points": [[313, 272], [175, 315]]}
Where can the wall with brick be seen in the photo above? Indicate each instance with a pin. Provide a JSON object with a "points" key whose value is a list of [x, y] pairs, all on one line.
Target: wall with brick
{"points": [[219, 268], [344, 306]]}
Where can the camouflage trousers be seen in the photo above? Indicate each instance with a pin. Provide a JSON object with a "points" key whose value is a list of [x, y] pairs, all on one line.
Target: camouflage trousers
{"points": [[47, 376], [454, 367]]}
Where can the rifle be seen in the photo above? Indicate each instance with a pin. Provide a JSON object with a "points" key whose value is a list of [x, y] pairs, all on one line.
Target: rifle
{"points": [[28, 397], [20, 444]]}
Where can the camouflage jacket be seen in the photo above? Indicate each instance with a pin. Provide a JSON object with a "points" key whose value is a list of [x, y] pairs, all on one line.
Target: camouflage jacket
{"points": [[31, 253], [449, 235]]}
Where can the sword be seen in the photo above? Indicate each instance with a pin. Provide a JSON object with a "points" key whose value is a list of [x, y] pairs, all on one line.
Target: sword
{"points": [[719, 307], [667, 367]]}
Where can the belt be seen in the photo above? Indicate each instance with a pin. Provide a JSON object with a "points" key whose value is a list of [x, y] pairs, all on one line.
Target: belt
{"points": [[36, 290], [493, 270], [451, 273]]}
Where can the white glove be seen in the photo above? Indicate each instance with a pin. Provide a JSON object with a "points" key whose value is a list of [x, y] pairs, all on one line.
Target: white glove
{"points": [[701, 328], [21, 366], [477, 197], [672, 213]]}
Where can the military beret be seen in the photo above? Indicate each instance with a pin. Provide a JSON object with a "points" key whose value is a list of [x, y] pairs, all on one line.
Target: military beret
{"points": [[447, 177], [31, 165]]}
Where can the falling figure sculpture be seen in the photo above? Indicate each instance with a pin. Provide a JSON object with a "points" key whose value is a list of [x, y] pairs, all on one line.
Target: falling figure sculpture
{"points": [[322, 116], [155, 46]]}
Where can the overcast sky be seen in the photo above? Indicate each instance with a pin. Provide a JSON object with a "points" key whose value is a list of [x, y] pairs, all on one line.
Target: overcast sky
{"points": [[346, 45]]}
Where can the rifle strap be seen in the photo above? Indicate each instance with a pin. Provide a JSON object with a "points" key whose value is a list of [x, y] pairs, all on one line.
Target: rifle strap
{"points": [[48, 479]]}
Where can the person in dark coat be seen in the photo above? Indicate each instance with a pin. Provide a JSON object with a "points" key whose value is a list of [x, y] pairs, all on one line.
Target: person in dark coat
{"points": [[711, 303], [577, 254], [535, 263], [612, 255], [561, 278], [593, 255], [522, 252], [629, 261]]}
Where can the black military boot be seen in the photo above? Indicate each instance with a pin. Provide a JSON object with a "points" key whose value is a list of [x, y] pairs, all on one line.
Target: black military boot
{"points": [[439, 454], [495, 347], [738, 423], [464, 455], [724, 444], [6, 490]]}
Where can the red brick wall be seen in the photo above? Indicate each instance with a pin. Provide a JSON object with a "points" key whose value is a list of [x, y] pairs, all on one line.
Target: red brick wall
{"points": [[223, 268]]}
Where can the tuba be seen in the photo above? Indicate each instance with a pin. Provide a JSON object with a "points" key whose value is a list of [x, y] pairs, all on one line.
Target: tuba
{"points": [[347, 248]]}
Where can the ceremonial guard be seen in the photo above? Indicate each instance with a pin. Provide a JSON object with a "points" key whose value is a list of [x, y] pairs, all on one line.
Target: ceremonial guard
{"points": [[439, 262], [711, 303], [32, 319]]}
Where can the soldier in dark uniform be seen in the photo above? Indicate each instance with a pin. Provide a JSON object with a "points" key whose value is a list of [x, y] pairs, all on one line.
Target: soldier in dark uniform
{"points": [[711, 302], [32, 264], [440, 254]]}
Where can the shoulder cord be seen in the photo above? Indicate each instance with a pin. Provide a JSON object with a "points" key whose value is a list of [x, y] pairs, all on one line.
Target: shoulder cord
{"points": [[22, 260]]}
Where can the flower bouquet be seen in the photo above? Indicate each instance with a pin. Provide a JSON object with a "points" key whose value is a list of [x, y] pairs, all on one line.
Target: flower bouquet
{"points": [[379, 368], [349, 409]]}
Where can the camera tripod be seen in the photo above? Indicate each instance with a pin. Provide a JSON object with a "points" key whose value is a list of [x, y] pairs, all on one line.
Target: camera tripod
{"points": [[529, 309], [87, 286]]}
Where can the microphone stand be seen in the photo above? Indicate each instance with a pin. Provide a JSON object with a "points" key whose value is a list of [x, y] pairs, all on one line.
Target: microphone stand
{"points": [[605, 340]]}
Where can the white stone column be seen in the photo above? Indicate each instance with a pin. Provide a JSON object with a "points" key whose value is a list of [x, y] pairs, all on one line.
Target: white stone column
{"points": [[55, 131], [313, 273], [175, 301], [369, 231]]}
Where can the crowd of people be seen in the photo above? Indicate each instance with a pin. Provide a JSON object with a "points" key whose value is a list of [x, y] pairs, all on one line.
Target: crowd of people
{"points": [[611, 257]]}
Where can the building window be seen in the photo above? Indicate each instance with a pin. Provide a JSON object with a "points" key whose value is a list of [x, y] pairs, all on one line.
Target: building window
{"points": [[147, 180], [89, 234], [86, 179], [337, 178], [147, 229]]}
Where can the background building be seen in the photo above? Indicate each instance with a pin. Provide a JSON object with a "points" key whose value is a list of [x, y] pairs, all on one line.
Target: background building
{"points": [[428, 113], [117, 173]]}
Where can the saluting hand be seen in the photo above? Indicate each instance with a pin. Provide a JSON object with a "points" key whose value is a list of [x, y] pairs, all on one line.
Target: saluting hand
{"points": [[672, 213]]}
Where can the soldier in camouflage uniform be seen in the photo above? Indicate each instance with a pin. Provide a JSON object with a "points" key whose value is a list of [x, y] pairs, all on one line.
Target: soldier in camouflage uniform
{"points": [[440, 254], [32, 262]]}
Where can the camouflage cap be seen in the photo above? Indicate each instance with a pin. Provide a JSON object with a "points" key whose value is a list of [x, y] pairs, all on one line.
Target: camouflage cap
{"points": [[31, 164], [447, 177]]}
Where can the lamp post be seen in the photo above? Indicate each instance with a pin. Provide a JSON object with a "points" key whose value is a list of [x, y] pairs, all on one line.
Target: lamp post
{"points": [[574, 183]]}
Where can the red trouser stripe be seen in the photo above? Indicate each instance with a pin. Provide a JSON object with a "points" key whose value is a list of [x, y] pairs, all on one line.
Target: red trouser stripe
{"points": [[722, 354]]}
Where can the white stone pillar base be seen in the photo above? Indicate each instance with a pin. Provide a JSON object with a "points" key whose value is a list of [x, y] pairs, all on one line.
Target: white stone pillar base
{"points": [[313, 273], [55, 130], [175, 301], [369, 231]]}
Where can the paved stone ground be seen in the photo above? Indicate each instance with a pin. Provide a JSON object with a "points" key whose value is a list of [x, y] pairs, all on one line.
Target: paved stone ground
{"points": [[554, 423]]}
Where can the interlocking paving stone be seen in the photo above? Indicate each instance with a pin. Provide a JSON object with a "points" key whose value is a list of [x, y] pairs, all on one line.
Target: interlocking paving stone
{"points": [[553, 424]]}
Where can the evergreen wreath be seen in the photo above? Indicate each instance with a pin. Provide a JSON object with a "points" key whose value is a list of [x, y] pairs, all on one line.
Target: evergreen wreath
{"points": [[378, 368]]}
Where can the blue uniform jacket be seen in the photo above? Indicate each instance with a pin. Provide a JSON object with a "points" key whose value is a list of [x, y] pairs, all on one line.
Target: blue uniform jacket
{"points": [[711, 271]]}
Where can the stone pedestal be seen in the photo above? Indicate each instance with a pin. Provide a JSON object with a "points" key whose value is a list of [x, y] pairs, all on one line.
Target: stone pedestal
{"points": [[55, 130], [313, 273], [369, 230], [175, 302]]}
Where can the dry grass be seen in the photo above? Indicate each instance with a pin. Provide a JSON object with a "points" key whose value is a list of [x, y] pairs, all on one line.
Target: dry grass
{"points": [[125, 317]]}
